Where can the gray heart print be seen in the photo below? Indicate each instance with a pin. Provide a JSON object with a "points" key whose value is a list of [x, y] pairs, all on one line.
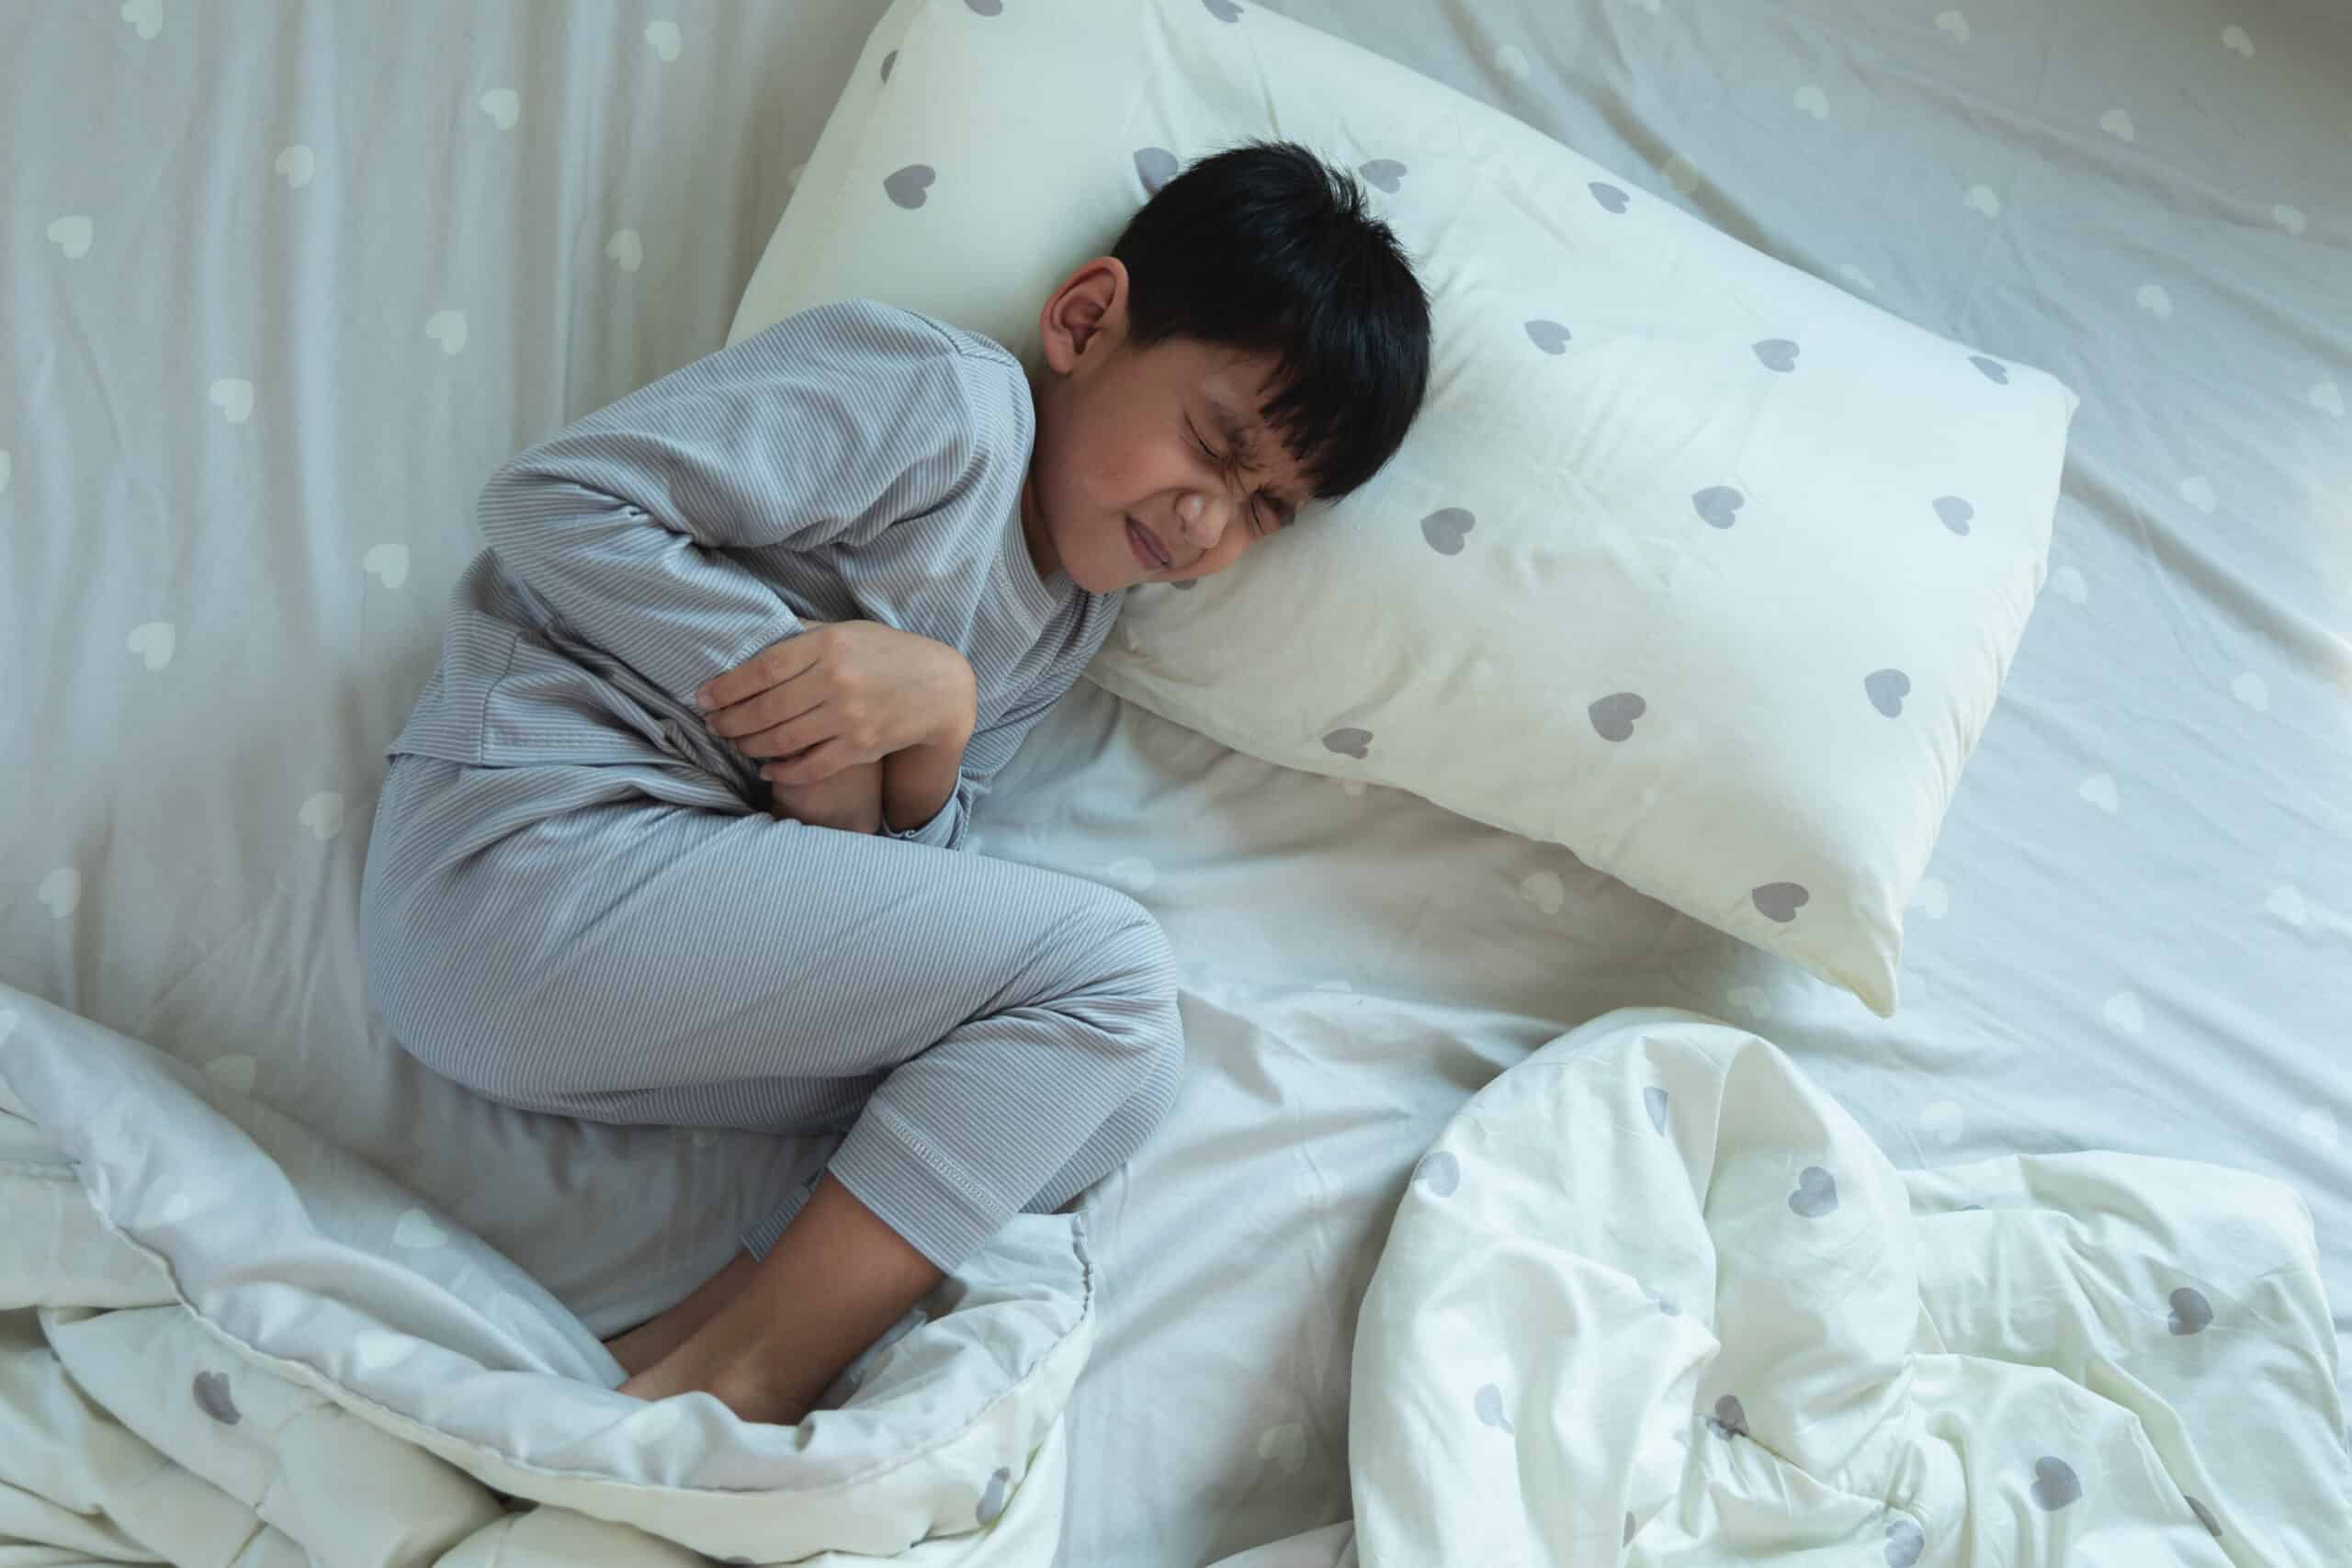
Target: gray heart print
{"points": [[1995, 371], [212, 1398], [1715, 505], [1223, 10], [1157, 166], [1886, 689], [1549, 336], [911, 186], [1386, 173], [1904, 1541], [1613, 716], [1780, 900], [1608, 196], [1954, 513], [1816, 1193], [1446, 529], [1356, 743], [986, 7], [1668, 1305], [2204, 1516], [1488, 1403], [1654, 1102], [2191, 1313], [1777, 354], [1630, 1528], [2054, 1484], [1730, 1419], [889, 60], [1440, 1172], [992, 1500]]}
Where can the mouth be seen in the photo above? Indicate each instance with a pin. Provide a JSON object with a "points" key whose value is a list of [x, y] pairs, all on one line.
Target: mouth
{"points": [[1147, 547]]}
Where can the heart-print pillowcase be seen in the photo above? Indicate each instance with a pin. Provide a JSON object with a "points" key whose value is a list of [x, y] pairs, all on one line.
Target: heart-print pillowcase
{"points": [[1694, 563]]}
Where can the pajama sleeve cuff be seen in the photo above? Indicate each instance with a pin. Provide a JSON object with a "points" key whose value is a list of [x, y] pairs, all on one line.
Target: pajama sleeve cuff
{"points": [[946, 826]]}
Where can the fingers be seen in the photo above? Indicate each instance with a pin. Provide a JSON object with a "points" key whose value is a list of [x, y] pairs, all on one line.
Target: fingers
{"points": [[773, 665], [812, 728], [813, 766], [766, 710], [864, 729]]}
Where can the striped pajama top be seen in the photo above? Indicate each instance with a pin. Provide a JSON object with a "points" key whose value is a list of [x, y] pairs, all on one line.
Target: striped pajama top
{"points": [[852, 460]]}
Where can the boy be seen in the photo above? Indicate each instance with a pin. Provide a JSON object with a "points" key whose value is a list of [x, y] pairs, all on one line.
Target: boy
{"points": [[667, 839]]}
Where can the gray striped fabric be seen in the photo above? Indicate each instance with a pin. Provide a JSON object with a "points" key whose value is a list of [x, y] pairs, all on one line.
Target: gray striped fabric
{"points": [[575, 900], [852, 461]]}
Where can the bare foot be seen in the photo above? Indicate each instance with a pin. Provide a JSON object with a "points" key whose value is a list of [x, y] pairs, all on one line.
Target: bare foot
{"points": [[640, 1347], [834, 1282], [743, 1393], [646, 1344]]}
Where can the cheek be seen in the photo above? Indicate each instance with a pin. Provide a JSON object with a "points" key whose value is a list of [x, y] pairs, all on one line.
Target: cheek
{"points": [[1129, 459], [1228, 549], [1110, 461], [1128, 475], [1093, 468]]}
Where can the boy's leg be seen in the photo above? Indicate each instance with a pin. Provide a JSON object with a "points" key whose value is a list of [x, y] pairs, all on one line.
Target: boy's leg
{"points": [[639, 1347], [833, 1283], [648, 1342], [995, 1037]]}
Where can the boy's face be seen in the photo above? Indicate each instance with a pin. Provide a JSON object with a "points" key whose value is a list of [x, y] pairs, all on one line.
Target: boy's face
{"points": [[1151, 465]]}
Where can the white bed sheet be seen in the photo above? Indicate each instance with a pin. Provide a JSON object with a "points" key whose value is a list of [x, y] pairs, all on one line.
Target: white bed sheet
{"points": [[2138, 931]]}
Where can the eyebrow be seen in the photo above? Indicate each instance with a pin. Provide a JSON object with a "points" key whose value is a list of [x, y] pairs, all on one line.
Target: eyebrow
{"points": [[1237, 438]]}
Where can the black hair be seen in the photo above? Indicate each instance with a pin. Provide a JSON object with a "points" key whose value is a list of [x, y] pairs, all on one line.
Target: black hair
{"points": [[1267, 249]]}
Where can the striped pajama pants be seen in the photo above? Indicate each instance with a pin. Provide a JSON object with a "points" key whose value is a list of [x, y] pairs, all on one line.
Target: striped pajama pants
{"points": [[632, 944]]}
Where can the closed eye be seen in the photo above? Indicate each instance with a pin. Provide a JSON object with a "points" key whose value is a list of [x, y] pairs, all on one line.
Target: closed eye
{"points": [[1231, 468]]}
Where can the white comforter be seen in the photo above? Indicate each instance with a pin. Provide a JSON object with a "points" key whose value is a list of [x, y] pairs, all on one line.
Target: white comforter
{"points": [[224, 1339], [1648, 1291], [1651, 1288]]}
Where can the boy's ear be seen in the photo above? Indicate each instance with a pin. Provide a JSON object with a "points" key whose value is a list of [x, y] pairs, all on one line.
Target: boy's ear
{"points": [[1088, 314]]}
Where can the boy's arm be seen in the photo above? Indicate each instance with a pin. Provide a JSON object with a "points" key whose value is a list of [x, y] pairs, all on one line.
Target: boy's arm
{"points": [[961, 783], [828, 426], [918, 783], [907, 787], [851, 800], [900, 795]]}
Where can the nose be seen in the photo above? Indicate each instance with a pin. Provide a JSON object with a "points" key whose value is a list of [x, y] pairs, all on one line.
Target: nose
{"points": [[1203, 520]]}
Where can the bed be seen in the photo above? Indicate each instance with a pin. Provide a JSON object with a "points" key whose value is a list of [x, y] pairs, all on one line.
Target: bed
{"points": [[284, 283]]}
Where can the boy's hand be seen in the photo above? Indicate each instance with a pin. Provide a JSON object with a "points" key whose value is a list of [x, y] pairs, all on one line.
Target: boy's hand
{"points": [[851, 800], [839, 695]]}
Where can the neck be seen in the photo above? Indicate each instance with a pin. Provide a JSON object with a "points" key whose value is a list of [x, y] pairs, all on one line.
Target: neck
{"points": [[1034, 535]]}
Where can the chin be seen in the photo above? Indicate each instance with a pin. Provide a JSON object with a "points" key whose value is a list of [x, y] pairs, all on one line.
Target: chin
{"points": [[1096, 574], [1099, 582]]}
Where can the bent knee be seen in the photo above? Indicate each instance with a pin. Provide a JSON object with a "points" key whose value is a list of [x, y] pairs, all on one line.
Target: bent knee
{"points": [[1165, 1074], [1131, 952], [1126, 982]]}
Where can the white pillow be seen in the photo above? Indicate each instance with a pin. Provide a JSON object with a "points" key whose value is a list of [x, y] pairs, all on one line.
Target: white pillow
{"points": [[1693, 563]]}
